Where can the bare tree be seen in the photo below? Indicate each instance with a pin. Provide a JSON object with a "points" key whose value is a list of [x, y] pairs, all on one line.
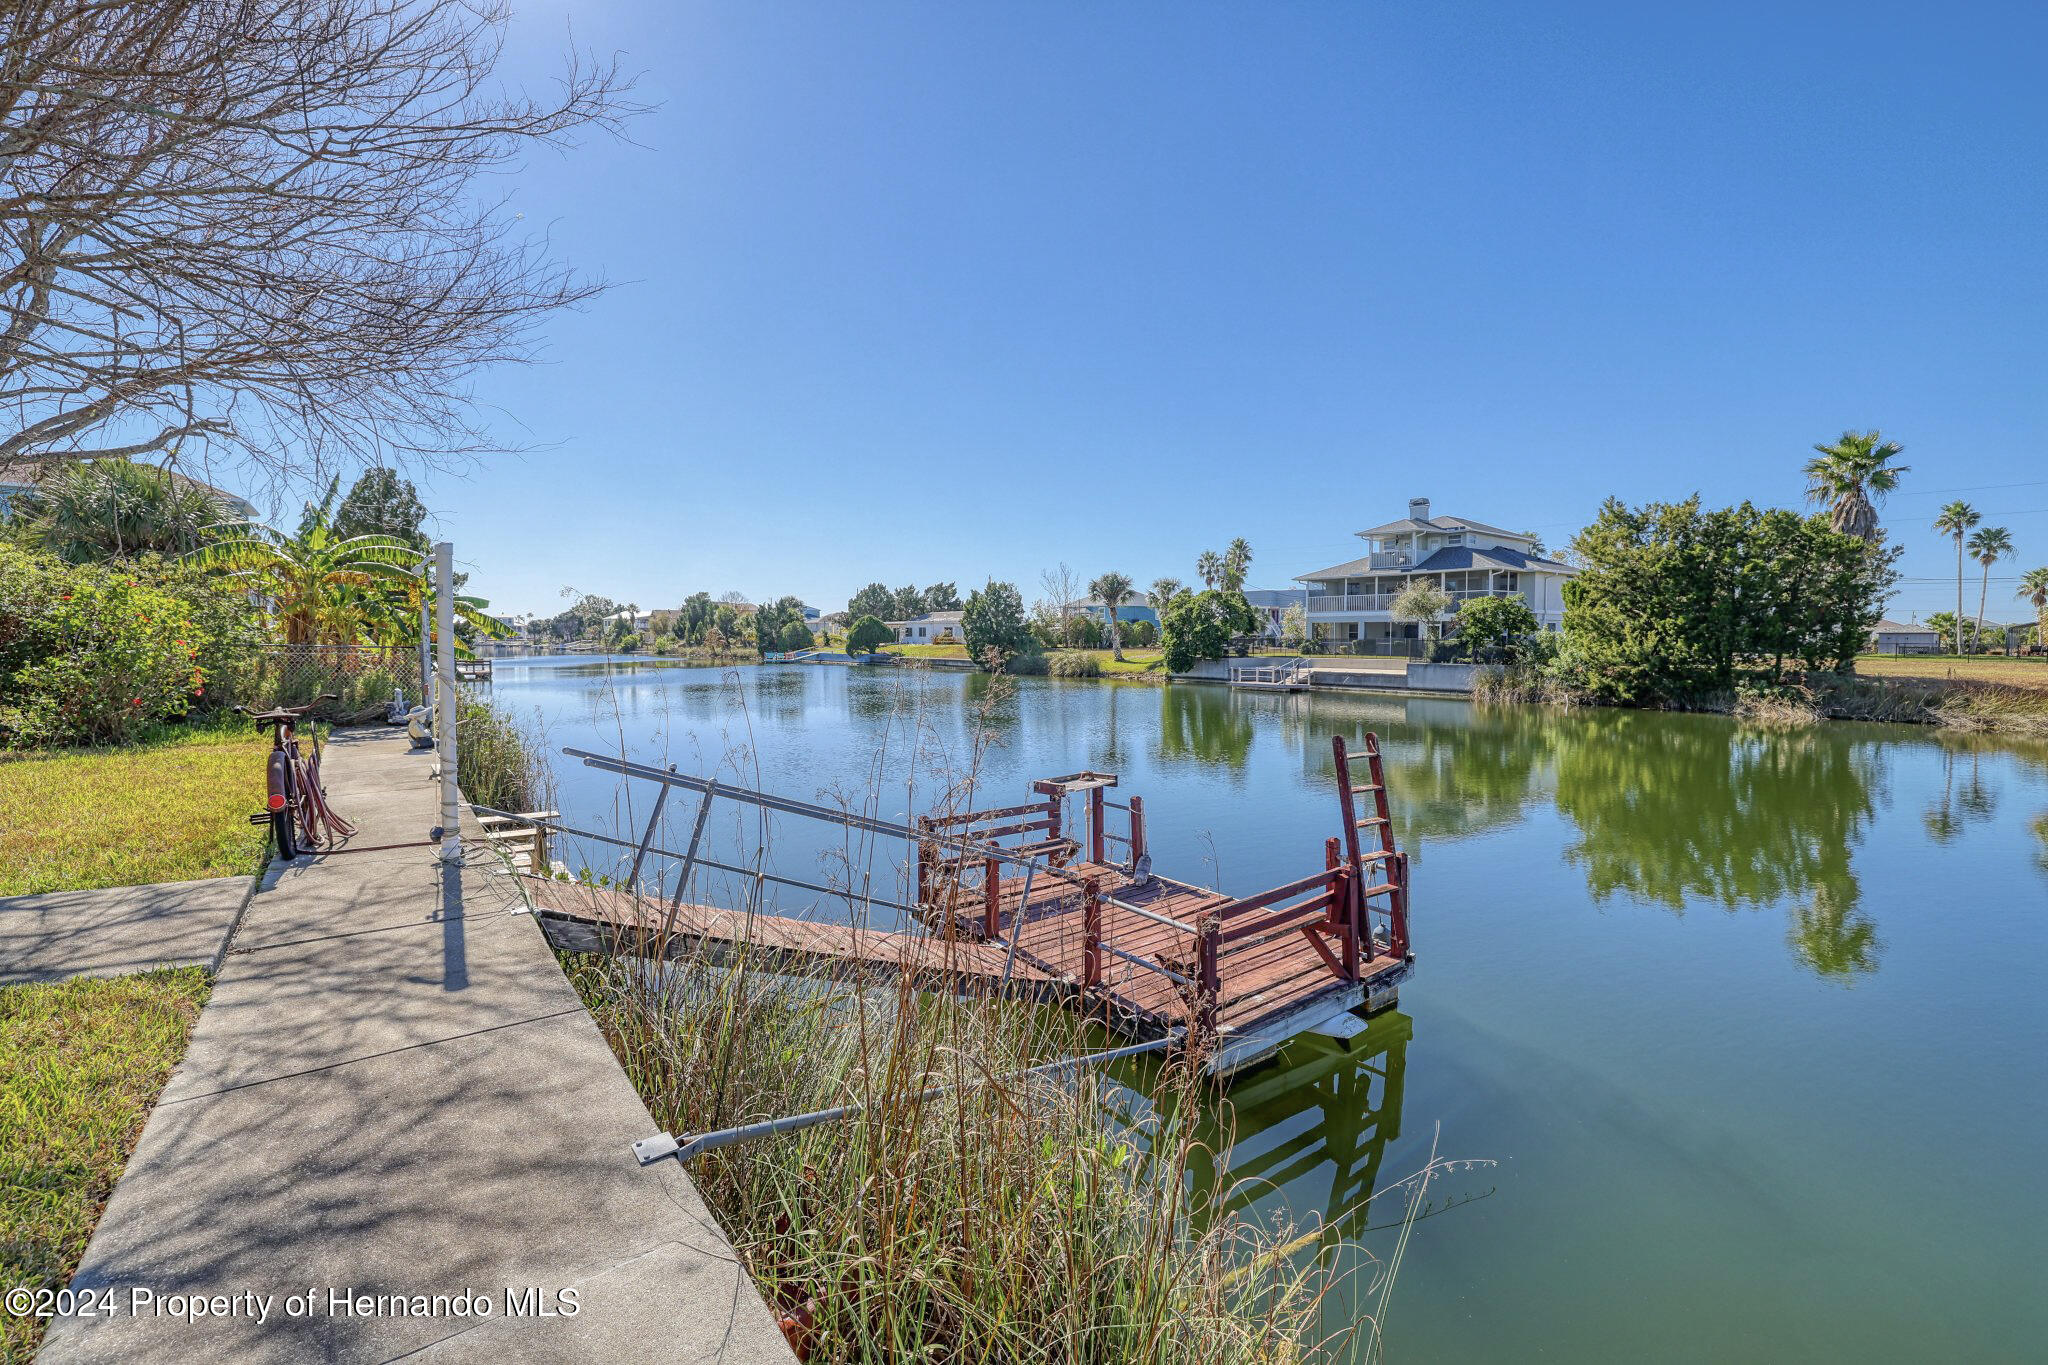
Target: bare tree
{"points": [[1062, 585], [245, 228]]}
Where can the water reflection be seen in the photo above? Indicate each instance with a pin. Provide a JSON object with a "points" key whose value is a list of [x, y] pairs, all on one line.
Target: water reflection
{"points": [[1302, 1137], [1313, 1126], [1955, 807], [1452, 776], [1204, 727]]}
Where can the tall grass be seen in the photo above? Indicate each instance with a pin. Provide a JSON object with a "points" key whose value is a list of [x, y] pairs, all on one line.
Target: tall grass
{"points": [[497, 763], [1073, 663], [1009, 1219]]}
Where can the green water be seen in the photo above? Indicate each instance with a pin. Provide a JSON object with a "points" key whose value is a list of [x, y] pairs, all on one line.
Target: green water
{"points": [[1753, 1025]]}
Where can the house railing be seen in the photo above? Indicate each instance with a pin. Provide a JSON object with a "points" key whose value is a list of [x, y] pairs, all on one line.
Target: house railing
{"points": [[1384, 601]]}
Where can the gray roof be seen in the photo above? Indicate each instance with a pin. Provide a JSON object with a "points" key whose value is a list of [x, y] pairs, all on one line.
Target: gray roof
{"points": [[1449, 559], [25, 473], [1407, 524], [1898, 628], [930, 618], [1454, 557], [1397, 527]]}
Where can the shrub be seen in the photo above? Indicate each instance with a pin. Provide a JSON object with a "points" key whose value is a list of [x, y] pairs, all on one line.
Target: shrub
{"points": [[1084, 632], [1502, 623], [1140, 634], [993, 623], [867, 635], [91, 654], [1199, 625], [796, 638], [1072, 663]]}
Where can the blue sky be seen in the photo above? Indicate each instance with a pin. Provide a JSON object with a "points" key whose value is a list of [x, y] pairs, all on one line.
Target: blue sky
{"points": [[957, 291]]}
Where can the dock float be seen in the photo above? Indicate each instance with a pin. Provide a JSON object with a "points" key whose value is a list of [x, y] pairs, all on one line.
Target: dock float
{"points": [[1019, 900]]}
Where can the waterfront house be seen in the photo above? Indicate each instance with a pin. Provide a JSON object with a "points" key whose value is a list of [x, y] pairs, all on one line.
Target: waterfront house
{"points": [[1889, 637], [1271, 604], [1134, 607], [1350, 603], [932, 628]]}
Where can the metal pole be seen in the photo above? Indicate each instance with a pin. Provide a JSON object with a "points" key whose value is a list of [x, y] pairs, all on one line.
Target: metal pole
{"points": [[1017, 924], [653, 823], [650, 1150], [444, 700], [426, 640]]}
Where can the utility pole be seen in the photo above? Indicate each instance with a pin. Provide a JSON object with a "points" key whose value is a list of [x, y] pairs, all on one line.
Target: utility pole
{"points": [[444, 700]]}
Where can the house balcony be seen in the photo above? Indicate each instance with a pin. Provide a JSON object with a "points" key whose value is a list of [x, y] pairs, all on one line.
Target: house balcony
{"points": [[1357, 601], [1346, 603]]}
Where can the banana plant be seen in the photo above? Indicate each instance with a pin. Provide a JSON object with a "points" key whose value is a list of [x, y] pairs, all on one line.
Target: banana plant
{"points": [[334, 590]]}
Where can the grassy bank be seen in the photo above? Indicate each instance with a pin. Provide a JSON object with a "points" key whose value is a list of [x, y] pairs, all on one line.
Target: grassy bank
{"points": [[1978, 668], [1008, 1220], [81, 1063], [172, 808], [1135, 663], [1958, 704]]}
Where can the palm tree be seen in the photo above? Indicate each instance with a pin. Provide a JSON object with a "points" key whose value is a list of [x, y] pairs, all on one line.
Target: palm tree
{"points": [[1987, 547], [1956, 519], [1112, 588], [1846, 476], [321, 588], [1164, 590], [94, 510], [334, 590], [1237, 562], [1209, 568], [2034, 587]]}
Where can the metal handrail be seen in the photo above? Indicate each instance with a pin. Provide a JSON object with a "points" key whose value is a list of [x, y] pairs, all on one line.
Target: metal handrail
{"points": [[650, 1150], [702, 861]]}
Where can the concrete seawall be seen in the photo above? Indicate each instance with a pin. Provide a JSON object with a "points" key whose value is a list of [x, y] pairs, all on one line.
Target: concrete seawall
{"points": [[1341, 674]]}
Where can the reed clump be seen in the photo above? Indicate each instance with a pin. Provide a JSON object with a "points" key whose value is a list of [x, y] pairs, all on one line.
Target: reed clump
{"points": [[1007, 1219], [1073, 663], [497, 763]]}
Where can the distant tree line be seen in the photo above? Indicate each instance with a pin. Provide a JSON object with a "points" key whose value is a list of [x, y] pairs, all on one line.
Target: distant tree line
{"points": [[902, 604]]}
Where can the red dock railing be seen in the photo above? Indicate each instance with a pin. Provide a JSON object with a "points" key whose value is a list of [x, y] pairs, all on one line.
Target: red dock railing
{"points": [[1340, 925]]}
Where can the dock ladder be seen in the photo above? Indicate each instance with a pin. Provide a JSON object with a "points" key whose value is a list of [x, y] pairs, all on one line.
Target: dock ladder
{"points": [[1392, 881]]}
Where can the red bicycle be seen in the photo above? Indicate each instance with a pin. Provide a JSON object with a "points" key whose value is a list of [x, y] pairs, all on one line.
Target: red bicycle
{"points": [[300, 819]]}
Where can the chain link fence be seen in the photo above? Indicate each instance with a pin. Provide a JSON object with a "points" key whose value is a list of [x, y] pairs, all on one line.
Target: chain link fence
{"points": [[363, 677]]}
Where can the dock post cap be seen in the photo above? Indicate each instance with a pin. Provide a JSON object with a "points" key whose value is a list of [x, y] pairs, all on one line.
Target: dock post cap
{"points": [[650, 1150]]}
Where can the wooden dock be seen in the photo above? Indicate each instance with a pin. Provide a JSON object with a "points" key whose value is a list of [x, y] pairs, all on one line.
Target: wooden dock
{"points": [[1011, 901]]}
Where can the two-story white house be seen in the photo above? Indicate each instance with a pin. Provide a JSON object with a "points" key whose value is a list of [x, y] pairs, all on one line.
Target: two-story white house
{"points": [[1352, 601]]}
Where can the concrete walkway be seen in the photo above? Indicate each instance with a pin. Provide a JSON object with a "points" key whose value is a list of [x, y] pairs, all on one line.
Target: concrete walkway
{"points": [[117, 930], [394, 1092]]}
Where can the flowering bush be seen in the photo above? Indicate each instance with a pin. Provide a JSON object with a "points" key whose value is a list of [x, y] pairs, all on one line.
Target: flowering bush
{"points": [[91, 653]]}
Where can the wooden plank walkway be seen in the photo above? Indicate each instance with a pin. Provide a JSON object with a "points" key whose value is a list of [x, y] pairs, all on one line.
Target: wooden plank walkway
{"points": [[1265, 979]]}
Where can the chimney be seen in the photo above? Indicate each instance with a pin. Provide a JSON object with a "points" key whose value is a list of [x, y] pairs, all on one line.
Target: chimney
{"points": [[1418, 509]]}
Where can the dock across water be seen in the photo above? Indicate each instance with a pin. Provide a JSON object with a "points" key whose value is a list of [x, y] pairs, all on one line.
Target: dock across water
{"points": [[1010, 902]]}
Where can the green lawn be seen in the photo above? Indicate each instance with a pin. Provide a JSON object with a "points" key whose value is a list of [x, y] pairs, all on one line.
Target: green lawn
{"points": [[1135, 660], [169, 810], [924, 651], [81, 1062], [1990, 668]]}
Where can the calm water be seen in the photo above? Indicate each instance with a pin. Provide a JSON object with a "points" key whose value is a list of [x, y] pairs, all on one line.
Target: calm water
{"points": [[1755, 1026]]}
